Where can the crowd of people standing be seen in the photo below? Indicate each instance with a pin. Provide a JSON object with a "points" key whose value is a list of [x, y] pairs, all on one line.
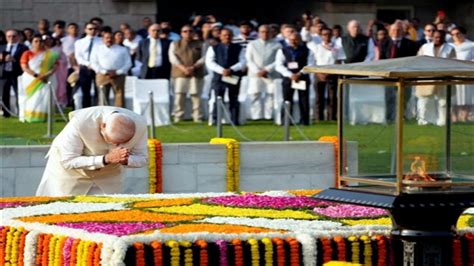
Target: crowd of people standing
{"points": [[99, 59]]}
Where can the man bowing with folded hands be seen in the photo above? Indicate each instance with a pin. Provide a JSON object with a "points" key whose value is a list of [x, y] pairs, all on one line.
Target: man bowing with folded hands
{"points": [[89, 154]]}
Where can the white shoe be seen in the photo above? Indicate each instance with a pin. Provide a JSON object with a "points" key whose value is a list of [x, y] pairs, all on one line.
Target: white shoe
{"points": [[422, 122]]}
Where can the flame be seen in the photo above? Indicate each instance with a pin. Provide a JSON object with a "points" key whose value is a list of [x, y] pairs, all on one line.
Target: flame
{"points": [[418, 171]]}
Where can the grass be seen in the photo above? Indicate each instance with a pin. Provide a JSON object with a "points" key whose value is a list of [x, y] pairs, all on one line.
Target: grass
{"points": [[374, 142], [13, 132]]}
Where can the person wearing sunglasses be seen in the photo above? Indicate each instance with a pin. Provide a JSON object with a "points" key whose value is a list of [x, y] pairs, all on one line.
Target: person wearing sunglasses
{"points": [[83, 49], [10, 54], [187, 70], [428, 35]]}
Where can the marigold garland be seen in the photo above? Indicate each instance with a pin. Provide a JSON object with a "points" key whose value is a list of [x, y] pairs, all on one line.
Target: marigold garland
{"points": [[280, 250], [3, 240], [9, 245], [470, 247], [267, 242], [294, 251], [157, 253], [341, 248], [233, 162], [222, 244], [188, 252], [155, 166], [139, 253], [175, 253], [74, 249], [254, 251], [239, 252], [21, 258], [39, 249], [457, 253], [97, 253], [367, 250], [355, 249], [327, 249], [382, 250], [203, 254]]}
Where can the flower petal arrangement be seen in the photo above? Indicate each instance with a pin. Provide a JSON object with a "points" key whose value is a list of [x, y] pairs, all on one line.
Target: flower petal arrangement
{"points": [[271, 228]]}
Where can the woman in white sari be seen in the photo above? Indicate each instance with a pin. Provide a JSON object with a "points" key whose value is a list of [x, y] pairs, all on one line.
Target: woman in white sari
{"points": [[464, 98], [38, 67]]}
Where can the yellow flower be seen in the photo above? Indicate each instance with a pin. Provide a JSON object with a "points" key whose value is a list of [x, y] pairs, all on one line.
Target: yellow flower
{"points": [[233, 162], [463, 221], [105, 199], [202, 209], [379, 221], [214, 228], [341, 263]]}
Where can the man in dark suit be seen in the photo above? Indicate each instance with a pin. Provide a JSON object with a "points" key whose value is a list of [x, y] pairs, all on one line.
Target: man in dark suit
{"points": [[399, 45], [10, 55], [428, 31], [153, 54]]}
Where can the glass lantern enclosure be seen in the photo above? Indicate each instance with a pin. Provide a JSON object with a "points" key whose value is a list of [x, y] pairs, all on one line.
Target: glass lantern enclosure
{"points": [[401, 125], [394, 139]]}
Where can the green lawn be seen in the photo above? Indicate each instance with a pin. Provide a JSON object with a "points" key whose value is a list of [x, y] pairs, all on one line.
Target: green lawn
{"points": [[13, 132]]}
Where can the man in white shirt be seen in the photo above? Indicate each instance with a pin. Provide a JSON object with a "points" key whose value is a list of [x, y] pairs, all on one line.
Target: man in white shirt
{"points": [[83, 49], [431, 104], [226, 60], [260, 57], [111, 63], [326, 53], [67, 43], [132, 41], [290, 61], [88, 155]]}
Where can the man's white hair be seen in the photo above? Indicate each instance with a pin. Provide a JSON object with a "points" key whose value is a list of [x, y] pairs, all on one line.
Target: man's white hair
{"points": [[119, 128]]}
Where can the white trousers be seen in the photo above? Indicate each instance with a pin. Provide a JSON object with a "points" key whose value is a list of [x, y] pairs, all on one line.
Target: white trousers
{"points": [[432, 110], [260, 94]]}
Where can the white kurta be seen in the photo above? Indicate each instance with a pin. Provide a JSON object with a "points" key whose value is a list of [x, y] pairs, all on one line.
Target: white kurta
{"points": [[431, 105], [261, 55], [75, 160], [464, 93]]}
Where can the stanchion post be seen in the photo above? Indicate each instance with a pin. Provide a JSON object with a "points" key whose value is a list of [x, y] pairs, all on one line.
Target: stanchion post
{"points": [[101, 95], [219, 117], [152, 115], [49, 133], [286, 121]]}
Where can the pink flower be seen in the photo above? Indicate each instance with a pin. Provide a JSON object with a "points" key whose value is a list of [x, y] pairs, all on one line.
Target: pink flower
{"points": [[350, 211], [263, 201], [119, 229], [11, 204]]}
